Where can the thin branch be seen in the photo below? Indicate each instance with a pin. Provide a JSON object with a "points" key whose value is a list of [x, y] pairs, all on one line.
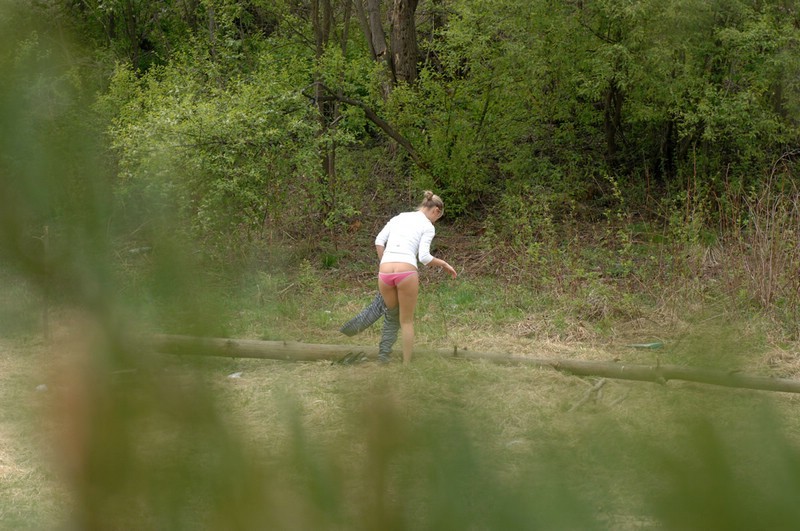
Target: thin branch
{"points": [[371, 116], [591, 394]]}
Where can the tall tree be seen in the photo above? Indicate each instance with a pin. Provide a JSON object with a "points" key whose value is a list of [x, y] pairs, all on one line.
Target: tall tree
{"points": [[405, 53]]}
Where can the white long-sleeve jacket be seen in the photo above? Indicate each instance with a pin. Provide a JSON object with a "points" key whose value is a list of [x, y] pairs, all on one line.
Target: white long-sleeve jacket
{"points": [[406, 237]]}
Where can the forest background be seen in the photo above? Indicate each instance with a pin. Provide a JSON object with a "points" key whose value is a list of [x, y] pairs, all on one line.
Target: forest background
{"points": [[602, 144], [613, 171]]}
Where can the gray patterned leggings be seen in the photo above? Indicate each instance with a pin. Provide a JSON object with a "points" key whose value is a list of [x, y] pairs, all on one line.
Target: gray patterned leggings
{"points": [[370, 314]]}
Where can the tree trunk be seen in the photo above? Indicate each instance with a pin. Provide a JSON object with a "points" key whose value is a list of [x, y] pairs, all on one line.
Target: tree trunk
{"points": [[364, 23], [212, 31], [404, 40], [375, 34], [322, 20], [372, 26], [612, 120], [293, 351]]}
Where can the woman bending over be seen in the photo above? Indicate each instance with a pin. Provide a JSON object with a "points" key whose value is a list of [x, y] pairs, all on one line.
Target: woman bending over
{"points": [[406, 238]]}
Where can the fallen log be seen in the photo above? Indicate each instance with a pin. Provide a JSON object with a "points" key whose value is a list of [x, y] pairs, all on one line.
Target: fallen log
{"points": [[255, 348], [297, 351]]}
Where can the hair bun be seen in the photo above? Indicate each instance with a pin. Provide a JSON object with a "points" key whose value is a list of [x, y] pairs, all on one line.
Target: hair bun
{"points": [[432, 201]]}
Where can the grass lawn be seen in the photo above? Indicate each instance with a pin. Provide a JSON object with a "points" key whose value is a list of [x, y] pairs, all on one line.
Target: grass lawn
{"points": [[123, 438]]}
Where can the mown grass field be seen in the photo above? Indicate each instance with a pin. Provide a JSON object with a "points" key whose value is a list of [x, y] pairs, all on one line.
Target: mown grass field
{"points": [[124, 438]]}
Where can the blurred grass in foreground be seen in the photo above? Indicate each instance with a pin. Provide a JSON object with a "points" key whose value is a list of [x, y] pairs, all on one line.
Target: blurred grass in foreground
{"points": [[135, 441], [181, 444]]}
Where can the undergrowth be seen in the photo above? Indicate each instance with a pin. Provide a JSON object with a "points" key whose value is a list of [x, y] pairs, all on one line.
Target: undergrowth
{"points": [[140, 440]]}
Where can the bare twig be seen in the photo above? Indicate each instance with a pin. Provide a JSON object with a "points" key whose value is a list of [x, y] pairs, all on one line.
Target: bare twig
{"points": [[287, 288], [591, 394]]}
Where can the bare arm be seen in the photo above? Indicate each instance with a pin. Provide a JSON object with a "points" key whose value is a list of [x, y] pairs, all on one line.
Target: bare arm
{"points": [[438, 262], [379, 249]]}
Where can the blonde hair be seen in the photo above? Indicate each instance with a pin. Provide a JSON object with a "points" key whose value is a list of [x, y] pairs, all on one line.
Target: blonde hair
{"points": [[432, 201]]}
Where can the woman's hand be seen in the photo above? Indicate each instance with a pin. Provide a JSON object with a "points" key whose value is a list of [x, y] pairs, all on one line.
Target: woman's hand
{"points": [[444, 265], [447, 267]]}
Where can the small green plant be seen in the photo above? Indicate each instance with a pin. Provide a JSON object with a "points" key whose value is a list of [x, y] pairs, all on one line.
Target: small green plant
{"points": [[329, 260], [524, 226], [308, 280]]}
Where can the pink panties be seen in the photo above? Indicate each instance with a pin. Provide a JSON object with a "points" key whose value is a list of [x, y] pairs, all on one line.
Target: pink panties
{"points": [[393, 279]]}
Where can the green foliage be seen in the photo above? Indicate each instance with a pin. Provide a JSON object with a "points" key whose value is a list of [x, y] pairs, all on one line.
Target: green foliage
{"points": [[529, 116], [600, 83], [224, 160], [524, 220], [510, 94], [465, 113], [204, 156]]}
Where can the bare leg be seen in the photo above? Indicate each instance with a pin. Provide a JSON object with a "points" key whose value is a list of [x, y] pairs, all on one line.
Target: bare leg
{"points": [[407, 294]]}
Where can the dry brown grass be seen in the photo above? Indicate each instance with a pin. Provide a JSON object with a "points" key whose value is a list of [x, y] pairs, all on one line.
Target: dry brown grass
{"points": [[32, 496], [374, 434]]}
